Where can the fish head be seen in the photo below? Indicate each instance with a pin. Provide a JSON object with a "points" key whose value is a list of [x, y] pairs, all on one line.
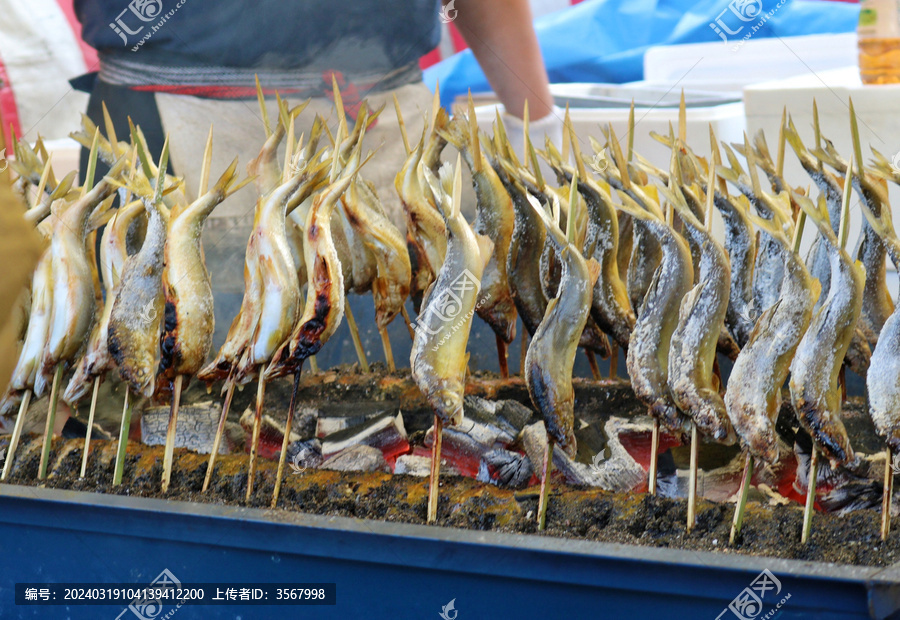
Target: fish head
{"points": [[448, 404]]}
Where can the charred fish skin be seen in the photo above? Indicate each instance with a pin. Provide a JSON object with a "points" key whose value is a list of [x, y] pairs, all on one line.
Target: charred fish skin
{"points": [[551, 354], [134, 322], [438, 358], [815, 392], [324, 308], [648, 354], [695, 339], [495, 218], [189, 321]]}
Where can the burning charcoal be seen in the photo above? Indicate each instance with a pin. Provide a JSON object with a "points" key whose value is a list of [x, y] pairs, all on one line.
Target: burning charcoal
{"points": [[326, 426], [271, 434], [302, 455], [508, 415], [417, 465], [839, 489], [358, 457], [196, 428], [384, 432], [504, 468], [465, 444]]}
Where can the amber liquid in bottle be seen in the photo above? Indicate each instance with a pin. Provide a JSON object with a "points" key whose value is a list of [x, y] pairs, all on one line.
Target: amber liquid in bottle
{"points": [[879, 61]]}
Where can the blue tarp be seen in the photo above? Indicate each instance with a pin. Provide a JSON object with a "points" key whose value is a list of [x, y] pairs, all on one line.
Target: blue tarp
{"points": [[605, 40]]}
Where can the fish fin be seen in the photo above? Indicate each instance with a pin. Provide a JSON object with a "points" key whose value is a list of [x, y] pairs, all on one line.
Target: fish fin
{"points": [[593, 271], [815, 290], [764, 322], [818, 213], [485, 248]]}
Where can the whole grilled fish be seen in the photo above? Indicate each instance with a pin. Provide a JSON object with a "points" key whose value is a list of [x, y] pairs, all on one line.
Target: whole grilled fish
{"points": [[551, 354], [97, 360], [439, 357], [74, 299], [324, 308], [818, 260], [883, 380], [753, 397], [648, 352], [189, 320], [137, 312], [815, 392], [495, 218], [701, 318]]}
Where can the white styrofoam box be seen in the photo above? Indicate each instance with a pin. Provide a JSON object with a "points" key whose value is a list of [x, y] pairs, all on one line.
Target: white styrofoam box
{"points": [[876, 108], [727, 121], [716, 67], [65, 154]]}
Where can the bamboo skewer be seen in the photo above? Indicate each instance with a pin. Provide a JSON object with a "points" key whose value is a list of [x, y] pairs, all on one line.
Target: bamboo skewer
{"points": [[354, 335], [613, 360], [502, 357], [405, 314], [257, 423], [545, 485], [654, 455], [742, 501], [16, 435], [123, 440], [434, 480], [51, 421], [90, 427], [226, 406], [171, 433], [388, 352], [692, 479], [810, 493], [592, 362], [886, 496], [286, 441]]}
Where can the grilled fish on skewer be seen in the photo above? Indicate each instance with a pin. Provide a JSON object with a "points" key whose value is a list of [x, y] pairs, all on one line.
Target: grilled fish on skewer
{"points": [[860, 351], [648, 353], [137, 312], [426, 237], [701, 318], [438, 359], [753, 397], [768, 270], [74, 300], [877, 303], [189, 320], [495, 218], [551, 354], [815, 392], [610, 305], [324, 307], [390, 287], [883, 380], [97, 360]]}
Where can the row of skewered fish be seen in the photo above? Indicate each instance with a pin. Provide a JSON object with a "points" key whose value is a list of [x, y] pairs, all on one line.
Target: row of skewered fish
{"points": [[616, 254]]}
